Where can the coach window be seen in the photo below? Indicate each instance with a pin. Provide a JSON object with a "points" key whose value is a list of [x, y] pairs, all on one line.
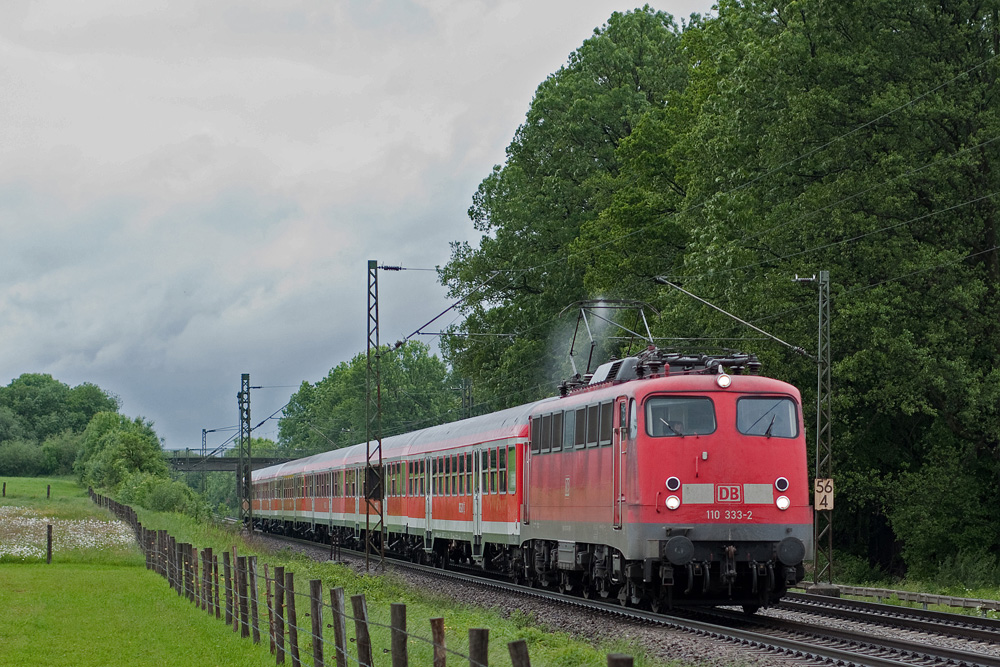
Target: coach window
{"points": [[679, 416], [546, 433], [454, 474], [449, 482], [536, 434], [593, 424], [569, 431], [767, 416], [493, 470], [502, 472], [484, 470], [581, 428], [557, 431], [607, 422], [447, 476], [468, 473], [512, 469]]}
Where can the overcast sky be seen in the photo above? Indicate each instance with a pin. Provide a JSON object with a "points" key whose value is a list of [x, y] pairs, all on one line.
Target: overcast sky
{"points": [[191, 190]]}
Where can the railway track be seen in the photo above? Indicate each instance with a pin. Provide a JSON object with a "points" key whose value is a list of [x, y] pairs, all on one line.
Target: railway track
{"points": [[801, 629]]}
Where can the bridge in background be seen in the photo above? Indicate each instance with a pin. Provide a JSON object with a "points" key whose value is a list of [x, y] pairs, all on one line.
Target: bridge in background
{"points": [[189, 460]]}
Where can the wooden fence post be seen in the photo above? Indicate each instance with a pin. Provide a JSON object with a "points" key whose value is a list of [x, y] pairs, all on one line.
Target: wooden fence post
{"points": [[241, 591], [206, 558], [619, 660], [437, 636], [519, 653], [270, 607], [48, 491], [186, 559], [316, 612], [197, 582], [48, 544], [254, 614], [293, 628], [364, 640], [339, 626], [226, 577], [171, 562], [161, 553], [215, 584], [397, 615], [236, 601], [479, 647], [279, 620]]}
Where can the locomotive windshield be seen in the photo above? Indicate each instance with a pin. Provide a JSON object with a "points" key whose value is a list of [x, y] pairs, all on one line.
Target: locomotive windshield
{"points": [[771, 416], [671, 417]]}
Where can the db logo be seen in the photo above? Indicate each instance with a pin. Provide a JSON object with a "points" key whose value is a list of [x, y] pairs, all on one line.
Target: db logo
{"points": [[728, 493]]}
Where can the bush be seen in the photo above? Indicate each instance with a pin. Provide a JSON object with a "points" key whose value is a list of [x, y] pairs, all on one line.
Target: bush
{"points": [[967, 569], [21, 458], [852, 570], [60, 452], [161, 494]]}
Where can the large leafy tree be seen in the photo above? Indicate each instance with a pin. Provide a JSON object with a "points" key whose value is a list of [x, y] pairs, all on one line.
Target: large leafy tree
{"points": [[115, 447], [43, 407], [417, 391], [531, 209]]}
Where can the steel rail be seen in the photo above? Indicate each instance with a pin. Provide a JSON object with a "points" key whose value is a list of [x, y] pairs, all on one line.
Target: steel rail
{"points": [[956, 625], [852, 649]]}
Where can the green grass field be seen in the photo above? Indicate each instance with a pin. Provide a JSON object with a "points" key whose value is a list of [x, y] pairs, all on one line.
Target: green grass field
{"points": [[101, 615], [96, 604]]}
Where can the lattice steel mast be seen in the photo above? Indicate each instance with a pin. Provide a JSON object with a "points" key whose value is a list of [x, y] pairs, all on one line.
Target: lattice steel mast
{"points": [[823, 525], [244, 485], [373, 486]]}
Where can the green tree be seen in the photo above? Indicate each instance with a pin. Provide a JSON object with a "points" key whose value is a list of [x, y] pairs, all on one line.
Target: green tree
{"points": [[60, 452], [10, 425], [21, 458], [44, 406], [417, 391], [114, 447], [555, 180]]}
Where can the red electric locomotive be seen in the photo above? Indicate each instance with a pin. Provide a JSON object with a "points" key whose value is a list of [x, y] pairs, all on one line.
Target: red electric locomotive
{"points": [[663, 479]]}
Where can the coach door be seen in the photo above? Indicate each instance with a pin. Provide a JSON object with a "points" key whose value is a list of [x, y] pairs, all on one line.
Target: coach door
{"points": [[477, 502], [620, 443], [428, 499]]}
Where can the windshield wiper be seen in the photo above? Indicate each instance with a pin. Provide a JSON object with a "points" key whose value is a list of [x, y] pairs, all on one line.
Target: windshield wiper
{"points": [[671, 428], [767, 433]]}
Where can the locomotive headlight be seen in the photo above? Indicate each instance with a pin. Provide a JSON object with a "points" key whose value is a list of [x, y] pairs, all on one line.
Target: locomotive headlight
{"points": [[781, 484], [723, 380], [673, 484], [783, 503], [673, 502]]}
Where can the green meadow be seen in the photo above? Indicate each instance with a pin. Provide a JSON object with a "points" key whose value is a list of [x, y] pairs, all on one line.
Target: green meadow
{"points": [[97, 605]]}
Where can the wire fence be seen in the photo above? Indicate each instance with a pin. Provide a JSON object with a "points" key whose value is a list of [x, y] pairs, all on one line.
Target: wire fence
{"points": [[232, 594]]}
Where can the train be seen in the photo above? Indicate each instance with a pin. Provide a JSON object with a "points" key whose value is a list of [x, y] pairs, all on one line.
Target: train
{"points": [[661, 479]]}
